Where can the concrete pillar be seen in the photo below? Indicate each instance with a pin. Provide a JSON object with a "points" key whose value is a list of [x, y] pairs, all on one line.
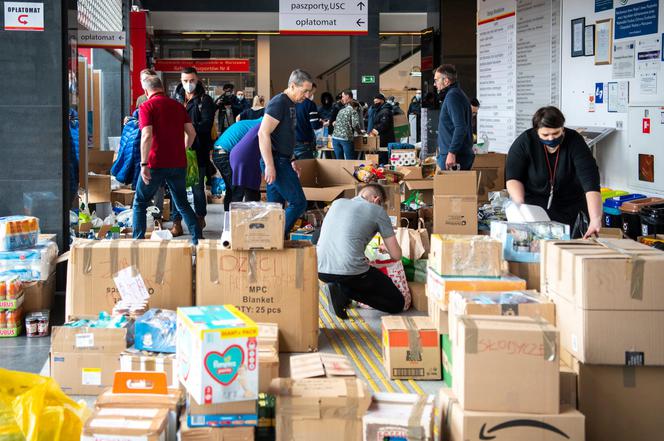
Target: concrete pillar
{"points": [[365, 56]]}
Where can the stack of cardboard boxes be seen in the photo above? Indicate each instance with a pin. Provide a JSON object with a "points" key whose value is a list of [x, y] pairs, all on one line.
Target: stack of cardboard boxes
{"points": [[610, 312]]}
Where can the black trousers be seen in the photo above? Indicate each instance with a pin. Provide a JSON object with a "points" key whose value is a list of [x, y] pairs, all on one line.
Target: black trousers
{"points": [[245, 194], [222, 161], [372, 288]]}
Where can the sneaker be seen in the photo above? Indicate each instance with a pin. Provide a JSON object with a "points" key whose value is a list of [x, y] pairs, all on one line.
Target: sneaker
{"points": [[339, 300]]}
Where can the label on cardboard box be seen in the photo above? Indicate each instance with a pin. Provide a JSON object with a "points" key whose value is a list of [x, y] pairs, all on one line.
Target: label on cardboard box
{"points": [[86, 340], [91, 376]]}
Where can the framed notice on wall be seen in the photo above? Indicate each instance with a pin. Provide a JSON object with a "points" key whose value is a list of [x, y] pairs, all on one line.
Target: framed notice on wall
{"points": [[589, 40], [603, 41], [578, 47]]}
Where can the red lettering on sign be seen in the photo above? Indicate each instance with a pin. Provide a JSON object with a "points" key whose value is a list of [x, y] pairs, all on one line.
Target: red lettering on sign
{"points": [[240, 65]]}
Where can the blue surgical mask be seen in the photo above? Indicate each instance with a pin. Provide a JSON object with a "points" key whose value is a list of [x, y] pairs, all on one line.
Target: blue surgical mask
{"points": [[552, 142]]}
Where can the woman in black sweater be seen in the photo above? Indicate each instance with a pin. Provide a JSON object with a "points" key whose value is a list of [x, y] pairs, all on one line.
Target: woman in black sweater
{"points": [[552, 167]]}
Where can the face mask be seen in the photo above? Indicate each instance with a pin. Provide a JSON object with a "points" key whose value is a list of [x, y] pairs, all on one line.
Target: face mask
{"points": [[418, 97], [553, 142], [189, 87]]}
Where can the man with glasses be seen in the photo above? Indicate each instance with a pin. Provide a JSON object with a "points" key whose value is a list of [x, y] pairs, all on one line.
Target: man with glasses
{"points": [[455, 131], [349, 226], [276, 139]]}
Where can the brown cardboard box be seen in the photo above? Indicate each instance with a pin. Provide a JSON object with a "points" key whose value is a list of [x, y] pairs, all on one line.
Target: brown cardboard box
{"points": [[611, 233], [84, 360], [411, 173], [366, 143], [143, 361], [455, 183], [568, 387], [490, 168], [269, 286], [99, 189], [134, 424], [399, 416], [257, 226], [466, 425], [460, 255], [411, 348], [621, 275], [439, 287], [320, 365], [500, 361], [124, 196], [455, 214], [268, 368], [100, 161], [248, 408], [38, 295], [530, 272], [438, 315], [418, 293], [611, 337], [321, 409], [164, 265], [621, 403], [325, 180], [214, 433]]}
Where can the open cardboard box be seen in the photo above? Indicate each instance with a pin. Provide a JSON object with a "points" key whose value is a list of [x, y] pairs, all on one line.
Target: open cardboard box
{"points": [[325, 180]]}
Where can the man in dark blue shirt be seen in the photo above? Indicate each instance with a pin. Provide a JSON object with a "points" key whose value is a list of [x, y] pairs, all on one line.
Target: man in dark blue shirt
{"points": [[455, 131], [276, 139], [307, 122]]}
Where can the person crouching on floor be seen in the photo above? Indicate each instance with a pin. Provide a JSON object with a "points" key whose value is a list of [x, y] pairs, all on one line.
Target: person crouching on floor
{"points": [[349, 226]]}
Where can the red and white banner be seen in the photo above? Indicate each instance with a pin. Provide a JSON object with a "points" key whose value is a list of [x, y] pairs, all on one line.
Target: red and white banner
{"points": [[238, 65]]}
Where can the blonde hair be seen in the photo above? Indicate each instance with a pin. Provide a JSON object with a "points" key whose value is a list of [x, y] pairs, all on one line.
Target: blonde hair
{"points": [[259, 99]]}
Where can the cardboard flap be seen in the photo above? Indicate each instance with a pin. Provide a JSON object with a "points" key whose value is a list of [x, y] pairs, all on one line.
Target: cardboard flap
{"points": [[326, 194], [320, 365], [420, 184], [152, 383]]}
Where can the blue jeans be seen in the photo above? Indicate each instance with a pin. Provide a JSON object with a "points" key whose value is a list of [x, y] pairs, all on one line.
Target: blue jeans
{"points": [[200, 199], [343, 149], [305, 150], [175, 179], [286, 188]]}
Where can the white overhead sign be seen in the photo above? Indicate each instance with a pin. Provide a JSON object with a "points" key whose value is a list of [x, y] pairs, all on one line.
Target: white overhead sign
{"points": [[318, 17], [98, 39], [21, 16]]}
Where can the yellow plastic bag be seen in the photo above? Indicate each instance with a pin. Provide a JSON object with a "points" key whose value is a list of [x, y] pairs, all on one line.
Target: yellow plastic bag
{"points": [[34, 408]]}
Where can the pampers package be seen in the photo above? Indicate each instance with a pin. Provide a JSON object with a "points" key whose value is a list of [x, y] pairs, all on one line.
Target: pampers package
{"points": [[217, 354]]}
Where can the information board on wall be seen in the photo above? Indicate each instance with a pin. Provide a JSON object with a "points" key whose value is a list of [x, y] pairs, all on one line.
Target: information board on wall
{"points": [[496, 72], [316, 17]]}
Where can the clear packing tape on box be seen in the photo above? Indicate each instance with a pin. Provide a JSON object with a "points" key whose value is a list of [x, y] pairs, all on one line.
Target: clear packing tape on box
{"points": [[471, 255], [34, 408]]}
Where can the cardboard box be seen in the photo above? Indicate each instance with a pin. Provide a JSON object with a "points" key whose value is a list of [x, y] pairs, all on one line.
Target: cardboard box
{"points": [[124, 196], [424, 186], [366, 143], [39, 295], [455, 214], [625, 337], [269, 286], [257, 226], [165, 267], [530, 272], [83, 360], [439, 287], [100, 161], [320, 365], [506, 303], [401, 126], [268, 336], [438, 315], [568, 387], [214, 433], [142, 361], [411, 348], [475, 256], [418, 295], [455, 183], [134, 424], [521, 241], [467, 425], [325, 180], [611, 233], [392, 204], [399, 416], [322, 409], [412, 173], [621, 402], [238, 413], [217, 354], [99, 189], [500, 361], [268, 368], [490, 168], [612, 275]]}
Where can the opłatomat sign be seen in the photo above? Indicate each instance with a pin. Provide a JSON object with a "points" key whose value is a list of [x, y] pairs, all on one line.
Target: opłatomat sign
{"points": [[24, 16], [96, 39], [316, 17]]}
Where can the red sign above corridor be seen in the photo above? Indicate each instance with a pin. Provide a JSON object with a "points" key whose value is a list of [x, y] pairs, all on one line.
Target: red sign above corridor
{"points": [[239, 65]]}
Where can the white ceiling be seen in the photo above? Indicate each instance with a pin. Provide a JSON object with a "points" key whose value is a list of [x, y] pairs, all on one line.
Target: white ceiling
{"points": [[264, 21]]}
